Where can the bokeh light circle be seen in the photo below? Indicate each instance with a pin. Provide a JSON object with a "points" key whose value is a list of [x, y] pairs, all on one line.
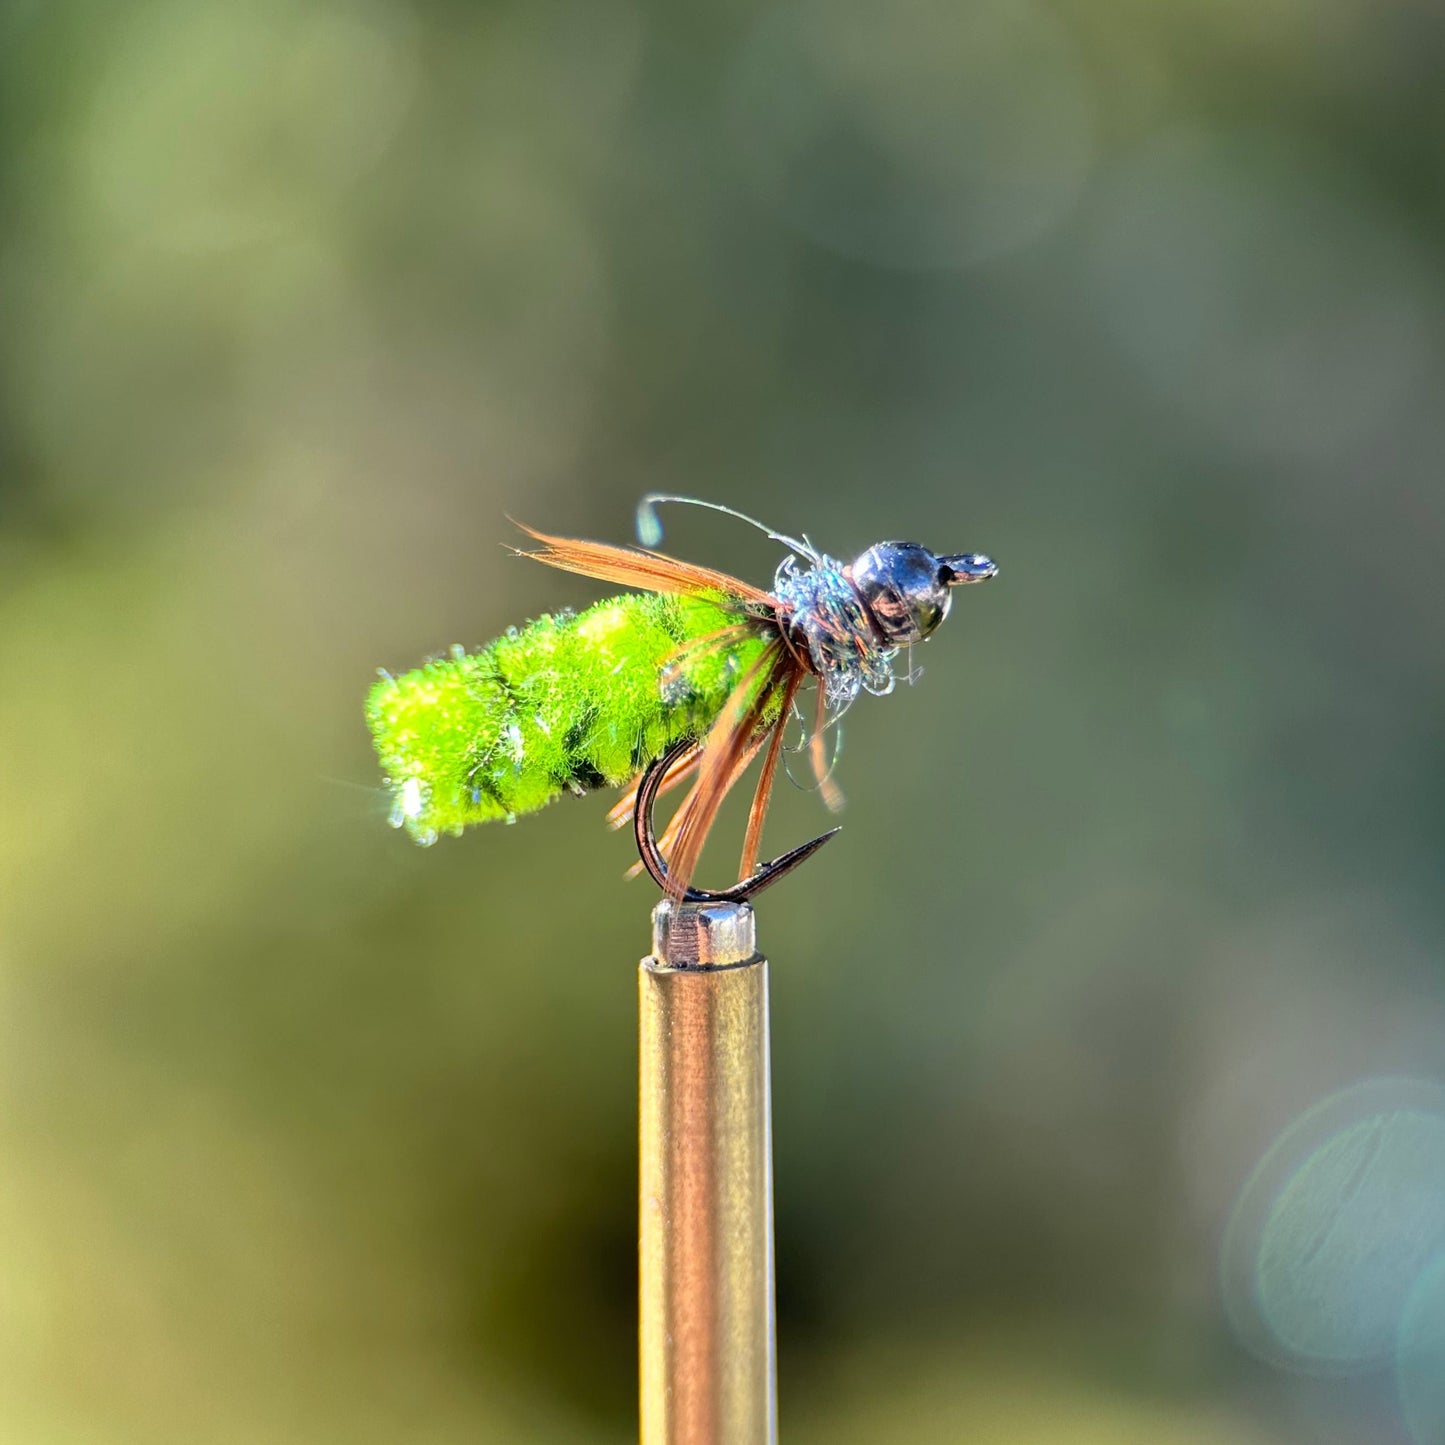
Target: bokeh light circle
{"points": [[1420, 1365], [915, 135], [1336, 1227], [214, 127]]}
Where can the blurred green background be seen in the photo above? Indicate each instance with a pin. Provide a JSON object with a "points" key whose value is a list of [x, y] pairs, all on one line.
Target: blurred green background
{"points": [[308, 1135]]}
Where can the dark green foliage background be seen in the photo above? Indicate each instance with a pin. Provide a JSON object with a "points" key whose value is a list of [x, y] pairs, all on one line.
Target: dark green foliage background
{"points": [[310, 1135]]}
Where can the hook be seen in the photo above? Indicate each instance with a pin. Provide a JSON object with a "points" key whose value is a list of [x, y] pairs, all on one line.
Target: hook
{"points": [[656, 865]]}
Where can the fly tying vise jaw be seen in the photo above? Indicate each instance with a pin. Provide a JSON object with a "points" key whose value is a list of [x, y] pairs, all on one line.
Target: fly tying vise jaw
{"points": [[656, 866]]}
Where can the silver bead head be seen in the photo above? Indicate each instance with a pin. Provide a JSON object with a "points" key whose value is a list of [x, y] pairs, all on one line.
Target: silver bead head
{"points": [[908, 590]]}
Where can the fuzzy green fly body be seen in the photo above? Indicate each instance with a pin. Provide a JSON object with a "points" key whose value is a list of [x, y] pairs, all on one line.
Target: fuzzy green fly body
{"points": [[698, 661], [568, 703]]}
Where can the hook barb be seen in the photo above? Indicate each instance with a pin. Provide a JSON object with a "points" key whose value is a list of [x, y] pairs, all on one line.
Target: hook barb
{"points": [[652, 860]]}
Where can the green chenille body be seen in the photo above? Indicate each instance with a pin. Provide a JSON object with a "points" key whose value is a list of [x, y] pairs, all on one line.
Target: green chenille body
{"points": [[569, 703]]}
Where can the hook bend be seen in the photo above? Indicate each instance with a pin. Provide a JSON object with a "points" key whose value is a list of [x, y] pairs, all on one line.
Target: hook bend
{"points": [[656, 865]]}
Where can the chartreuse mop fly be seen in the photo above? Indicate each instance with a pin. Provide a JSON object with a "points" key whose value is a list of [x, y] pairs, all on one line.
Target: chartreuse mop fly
{"points": [[689, 679]]}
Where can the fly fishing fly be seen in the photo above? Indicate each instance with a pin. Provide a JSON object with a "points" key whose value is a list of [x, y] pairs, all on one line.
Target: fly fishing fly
{"points": [[687, 680]]}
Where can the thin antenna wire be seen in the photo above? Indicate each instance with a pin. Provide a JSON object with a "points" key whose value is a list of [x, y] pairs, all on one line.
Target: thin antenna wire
{"points": [[649, 525]]}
